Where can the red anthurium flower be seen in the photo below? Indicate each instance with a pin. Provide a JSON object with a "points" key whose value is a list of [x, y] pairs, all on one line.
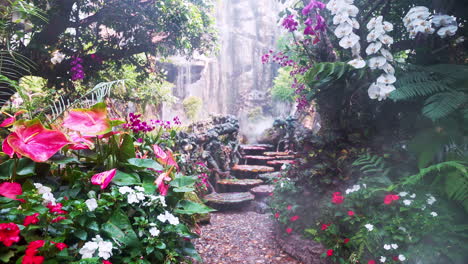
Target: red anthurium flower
{"points": [[106, 262], [58, 219], [27, 259], [9, 233], [90, 122], [337, 198], [31, 219], [289, 207], [350, 213], [33, 247], [32, 140], [289, 230], [60, 246], [390, 198], [164, 158], [56, 209], [346, 240], [277, 215], [12, 119], [371, 261], [294, 218], [103, 178], [11, 190], [330, 252]]}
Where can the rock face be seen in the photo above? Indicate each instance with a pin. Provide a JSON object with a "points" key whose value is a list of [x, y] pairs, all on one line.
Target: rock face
{"points": [[236, 80]]}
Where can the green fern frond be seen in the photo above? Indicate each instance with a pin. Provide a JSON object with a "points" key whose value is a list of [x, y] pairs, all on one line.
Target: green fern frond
{"points": [[443, 104], [437, 168]]}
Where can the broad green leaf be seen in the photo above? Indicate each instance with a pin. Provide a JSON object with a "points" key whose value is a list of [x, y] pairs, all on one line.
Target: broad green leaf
{"points": [[122, 178], [183, 181], [127, 149], [189, 207], [145, 164]]}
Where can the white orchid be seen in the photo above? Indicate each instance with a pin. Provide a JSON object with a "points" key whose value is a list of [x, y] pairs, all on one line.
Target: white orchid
{"points": [[386, 79], [386, 39], [388, 68], [443, 20], [374, 22], [57, 57], [447, 31], [343, 30], [357, 63], [349, 41], [387, 54], [377, 62], [373, 48], [387, 26]]}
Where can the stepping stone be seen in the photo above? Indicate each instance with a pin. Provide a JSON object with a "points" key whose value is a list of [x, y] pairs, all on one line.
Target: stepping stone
{"points": [[250, 171], [285, 157], [280, 162], [238, 185], [256, 149], [269, 176], [262, 190], [274, 154], [255, 157], [222, 201]]}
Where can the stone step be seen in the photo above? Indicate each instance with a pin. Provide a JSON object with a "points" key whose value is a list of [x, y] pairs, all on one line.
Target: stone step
{"points": [[278, 163], [255, 149], [224, 201], [256, 159], [274, 154], [269, 176], [263, 190], [288, 157], [238, 185], [250, 171]]}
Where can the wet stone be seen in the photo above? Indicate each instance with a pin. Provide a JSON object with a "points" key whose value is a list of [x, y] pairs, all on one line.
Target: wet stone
{"points": [[262, 190], [252, 168], [280, 162], [223, 201], [238, 185], [274, 154], [269, 176]]}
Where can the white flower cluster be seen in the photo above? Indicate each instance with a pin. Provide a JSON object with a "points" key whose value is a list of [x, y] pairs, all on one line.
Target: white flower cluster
{"points": [[355, 188], [400, 258], [170, 218], [91, 204], [369, 227], [47, 194], [407, 202], [136, 195], [419, 20], [390, 246], [380, 43], [431, 199], [57, 57], [104, 248], [345, 17], [154, 231]]}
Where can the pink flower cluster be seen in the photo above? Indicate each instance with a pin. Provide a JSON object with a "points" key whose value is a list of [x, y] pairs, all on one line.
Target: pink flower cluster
{"points": [[77, 71]]}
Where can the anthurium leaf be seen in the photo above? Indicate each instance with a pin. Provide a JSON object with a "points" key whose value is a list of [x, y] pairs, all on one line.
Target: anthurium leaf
{"points": [[183, 181], [127, 149], [183, 189], [6, 169], [25, 167], [189, 207], [5, 256], [123, 178], [145, 164]]}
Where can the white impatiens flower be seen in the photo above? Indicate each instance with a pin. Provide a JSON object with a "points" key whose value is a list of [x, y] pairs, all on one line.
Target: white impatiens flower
{"points": [[104, 247], [132, 198], [386, 79], [125, 190], [434, 214], [403, 194], [369, 227], [401, 257], [46, 192], [387, 247], [355, 188], [394, 246], [139, 188], [373, 48], [154, 231], [407, 202], [383, 259], [413, 196], [88, 249], [431, 199], [357, 63], [57, 57], [348, 41], [173, 220], [91, 204], [41, 189]]}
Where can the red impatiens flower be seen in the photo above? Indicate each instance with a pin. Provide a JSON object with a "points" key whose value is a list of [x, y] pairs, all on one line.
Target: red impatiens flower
{"points": [[277, 215], [31, 219], [90, 122], [32, 140], [58, 219], [103, 178], [60, 246], [390, 198], [294, 218], [164, 158], [289, 207], [9, 233], [27, 259], [325, 226], [106, 262], [330, 252], [350, 213], [395, 258], [337, 198], [32, 248], [56, 209], [289, 230], [346, 240], [371, 261], [11, 190]]}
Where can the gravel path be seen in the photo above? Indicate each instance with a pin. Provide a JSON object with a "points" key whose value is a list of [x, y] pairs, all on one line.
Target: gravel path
{"points": [[240, 237]]}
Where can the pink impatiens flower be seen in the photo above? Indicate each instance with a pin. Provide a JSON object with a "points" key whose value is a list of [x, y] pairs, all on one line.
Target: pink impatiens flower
{"points": [[90, 122], [350, 213], [325, 226], [337, 198], [289, 230], [32, 140], [330, 252], [103, 178], [294, 218]]}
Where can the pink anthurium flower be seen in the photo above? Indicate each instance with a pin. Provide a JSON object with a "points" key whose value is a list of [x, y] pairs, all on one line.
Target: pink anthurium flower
{"points": [[11, 119], [32, 140], [103, 178], [162, 186], [164, 158], [90, 122], [80, 142], [11, 190]]}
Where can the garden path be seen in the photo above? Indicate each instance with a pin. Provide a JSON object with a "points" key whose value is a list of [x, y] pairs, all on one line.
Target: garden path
{"points": [[240, 237]]}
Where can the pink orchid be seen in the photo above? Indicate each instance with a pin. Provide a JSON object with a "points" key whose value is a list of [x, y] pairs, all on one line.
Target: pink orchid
{"points": [[12, 119], [90, 122], [11, 190], [164, 158], [103, 178], [32, 140]]}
